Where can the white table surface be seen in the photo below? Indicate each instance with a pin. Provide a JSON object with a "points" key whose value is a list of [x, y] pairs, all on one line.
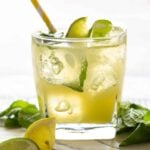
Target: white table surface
{"points": [[78, 145]]}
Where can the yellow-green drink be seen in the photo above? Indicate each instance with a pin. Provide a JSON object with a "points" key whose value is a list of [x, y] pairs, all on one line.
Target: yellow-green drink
{"points": [[79, 82]]}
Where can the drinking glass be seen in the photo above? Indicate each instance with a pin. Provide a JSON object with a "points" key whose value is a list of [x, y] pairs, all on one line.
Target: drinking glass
{"points": [[79, 82]]}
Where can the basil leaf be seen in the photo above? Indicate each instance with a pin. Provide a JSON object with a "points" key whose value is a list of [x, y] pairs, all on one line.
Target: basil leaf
{"points": [[129, 116], [14, 107], [139, 135], [132, 116], [28, 115], [19, 114], [136, 119], [52, 35], [11, 123], [147, 117]]}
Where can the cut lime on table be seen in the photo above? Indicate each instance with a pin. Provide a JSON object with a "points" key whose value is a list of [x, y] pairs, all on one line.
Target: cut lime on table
{"points": [[78, 29], [42, 132], [19, 144]]}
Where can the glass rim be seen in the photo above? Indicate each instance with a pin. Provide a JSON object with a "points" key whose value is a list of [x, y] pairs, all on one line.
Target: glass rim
{"points": [[36, 34]]}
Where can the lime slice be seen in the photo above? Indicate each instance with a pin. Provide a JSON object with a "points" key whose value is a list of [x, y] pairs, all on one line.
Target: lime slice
{"points": [[42, 132], [18, 144], [78, 29], [79, 83], [100, 28]]}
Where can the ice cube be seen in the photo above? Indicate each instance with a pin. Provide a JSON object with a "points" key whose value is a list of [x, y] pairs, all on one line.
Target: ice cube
{"points": [[56, 64], [100, 78], [60, 66], [70, 60], [49, 66]]}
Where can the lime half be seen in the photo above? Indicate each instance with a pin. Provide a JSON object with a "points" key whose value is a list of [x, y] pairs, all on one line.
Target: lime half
{"points": [[19, 144], [78, 29]]}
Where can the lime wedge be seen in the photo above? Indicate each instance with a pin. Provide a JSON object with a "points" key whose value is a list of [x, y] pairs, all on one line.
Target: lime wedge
{"points": [[42, 132], [78, 84], [18, 144], [78, 29], [100, 28]]}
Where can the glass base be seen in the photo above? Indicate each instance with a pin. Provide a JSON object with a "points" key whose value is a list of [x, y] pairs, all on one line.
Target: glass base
{"points": [[85, 131]]}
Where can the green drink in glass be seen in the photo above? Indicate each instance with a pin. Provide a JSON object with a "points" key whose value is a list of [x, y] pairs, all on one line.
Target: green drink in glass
{"points": [[79, 80]]}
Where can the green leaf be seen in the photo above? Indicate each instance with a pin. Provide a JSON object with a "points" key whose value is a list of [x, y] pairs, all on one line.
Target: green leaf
{"points": [[139, 135], [20, 113], [139, 107], [100, 28], [14, 108], [121, 127], [136, 119], [19, 104], [52, 35], [129, 116], [28, 115], [11, 123], [132, 116], [82, 76], [147, 117]]}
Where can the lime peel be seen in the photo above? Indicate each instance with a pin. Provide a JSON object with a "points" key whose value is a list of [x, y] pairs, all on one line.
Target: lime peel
{"points": [[100, 28], [78, 29], [19, 144]]}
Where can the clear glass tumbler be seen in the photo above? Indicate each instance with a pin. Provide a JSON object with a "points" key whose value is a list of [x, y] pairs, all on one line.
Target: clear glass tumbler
{"points": [[79, 82]]}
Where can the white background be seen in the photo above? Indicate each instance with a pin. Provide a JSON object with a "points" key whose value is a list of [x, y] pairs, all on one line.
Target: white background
{"points": [[18, 19]]}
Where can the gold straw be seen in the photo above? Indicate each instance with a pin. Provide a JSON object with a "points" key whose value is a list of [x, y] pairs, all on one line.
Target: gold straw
{"points": [[43, 16]]}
